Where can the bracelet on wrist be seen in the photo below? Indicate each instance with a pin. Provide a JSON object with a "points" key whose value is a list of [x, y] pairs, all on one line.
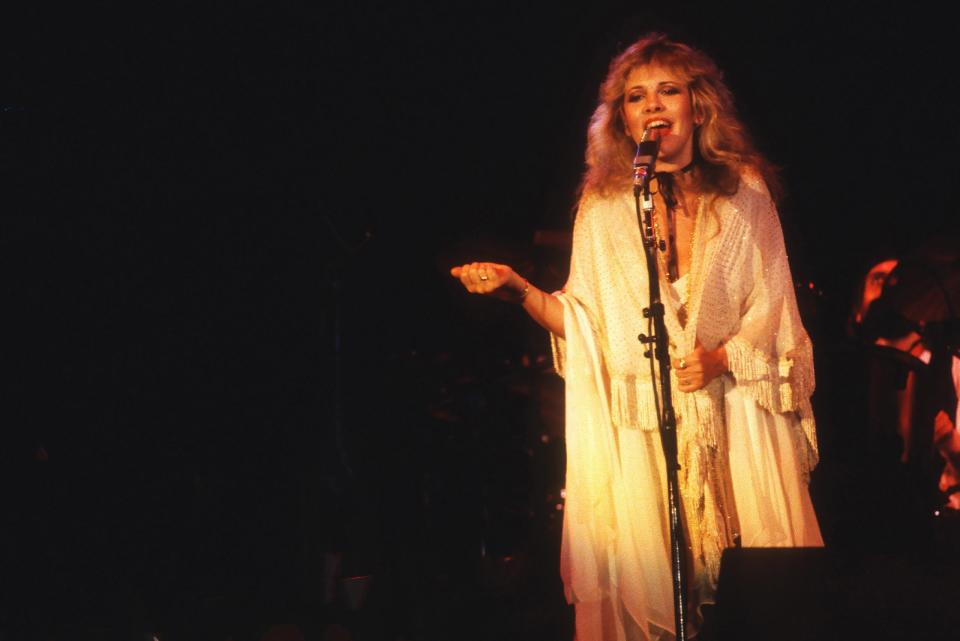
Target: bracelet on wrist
{"points": [[523, 294]]}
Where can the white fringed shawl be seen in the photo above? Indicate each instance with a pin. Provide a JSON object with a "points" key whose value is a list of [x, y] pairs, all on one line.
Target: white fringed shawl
{"points": [[615, 542]]}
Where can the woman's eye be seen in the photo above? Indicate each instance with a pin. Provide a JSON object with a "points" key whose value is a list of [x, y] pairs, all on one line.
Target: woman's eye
{"points": [[670, 91], [635, 97]]}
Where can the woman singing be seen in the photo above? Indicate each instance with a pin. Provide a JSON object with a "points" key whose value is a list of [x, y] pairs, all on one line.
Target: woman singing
{"points": [[742, 361]]}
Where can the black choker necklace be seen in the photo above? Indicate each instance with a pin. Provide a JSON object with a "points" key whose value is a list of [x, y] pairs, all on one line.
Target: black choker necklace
{"points": [[667, 185]]}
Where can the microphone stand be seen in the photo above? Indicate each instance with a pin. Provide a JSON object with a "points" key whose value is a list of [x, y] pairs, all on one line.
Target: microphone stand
{"points": [[643, 172]]}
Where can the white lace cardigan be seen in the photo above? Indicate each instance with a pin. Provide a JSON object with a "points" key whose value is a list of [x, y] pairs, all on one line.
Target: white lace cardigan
{"points": [[740, 294]]}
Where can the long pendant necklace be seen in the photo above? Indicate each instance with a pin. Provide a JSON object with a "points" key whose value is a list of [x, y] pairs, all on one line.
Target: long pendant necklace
{"points": [[669, 259]]}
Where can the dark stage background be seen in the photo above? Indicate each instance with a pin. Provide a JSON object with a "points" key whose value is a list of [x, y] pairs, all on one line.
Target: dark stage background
{"points": [[237, 373]]}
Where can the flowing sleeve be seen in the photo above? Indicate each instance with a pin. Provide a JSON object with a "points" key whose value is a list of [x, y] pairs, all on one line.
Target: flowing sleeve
{"points": [[770, 355], [589, 522], [580, 288]]}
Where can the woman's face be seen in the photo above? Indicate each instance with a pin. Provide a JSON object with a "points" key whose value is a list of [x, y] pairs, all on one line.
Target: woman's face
{"points": [[656, 95]]}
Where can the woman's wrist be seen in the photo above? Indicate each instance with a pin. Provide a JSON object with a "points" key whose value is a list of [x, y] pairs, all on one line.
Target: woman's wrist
{"points": [[715, 363], [524, 291], [722, 357], [520, 287]]}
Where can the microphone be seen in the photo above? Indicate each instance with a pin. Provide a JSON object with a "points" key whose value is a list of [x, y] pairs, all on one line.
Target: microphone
{"points": [[646, 156]]}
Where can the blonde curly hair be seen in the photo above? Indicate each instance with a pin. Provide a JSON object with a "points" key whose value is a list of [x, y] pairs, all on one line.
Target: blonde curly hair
{"points": [[722, 147]]}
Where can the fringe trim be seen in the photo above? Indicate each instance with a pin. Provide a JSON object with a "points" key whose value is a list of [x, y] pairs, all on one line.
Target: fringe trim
{"points": [[702, 435], [810, 450], [701, 443], [780, 385], [631, 404], [706, 529]]}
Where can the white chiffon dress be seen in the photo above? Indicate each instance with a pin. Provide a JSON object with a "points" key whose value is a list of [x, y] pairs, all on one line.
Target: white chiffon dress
{"points": [[747, 440]]}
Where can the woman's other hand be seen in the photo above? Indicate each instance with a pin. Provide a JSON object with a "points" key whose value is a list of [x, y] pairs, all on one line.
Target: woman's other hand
{"points": [[699, 367], [499, 281]]}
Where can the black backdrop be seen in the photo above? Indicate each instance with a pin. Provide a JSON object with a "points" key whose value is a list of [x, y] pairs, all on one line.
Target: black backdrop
{"points": [[231, 336]]}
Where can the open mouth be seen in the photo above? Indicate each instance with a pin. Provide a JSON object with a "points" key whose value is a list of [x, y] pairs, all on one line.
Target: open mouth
{"points": [[658, 127]]}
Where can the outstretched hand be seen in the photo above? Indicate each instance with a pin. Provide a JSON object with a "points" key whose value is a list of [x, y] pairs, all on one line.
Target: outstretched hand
{"points": [[699, 367], [492, 279]]}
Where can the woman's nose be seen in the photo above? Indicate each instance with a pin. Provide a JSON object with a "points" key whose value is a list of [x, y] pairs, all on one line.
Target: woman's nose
{"points": [[653, 104]]}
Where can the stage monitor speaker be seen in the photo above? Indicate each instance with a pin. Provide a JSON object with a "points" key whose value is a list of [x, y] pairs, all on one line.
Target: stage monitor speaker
{"points": [[787, 594]]}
